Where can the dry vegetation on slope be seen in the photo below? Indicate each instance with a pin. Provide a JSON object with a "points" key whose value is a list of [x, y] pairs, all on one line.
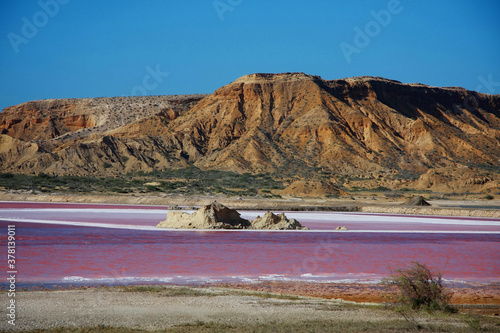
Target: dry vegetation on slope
{"points": [[362, 132]]}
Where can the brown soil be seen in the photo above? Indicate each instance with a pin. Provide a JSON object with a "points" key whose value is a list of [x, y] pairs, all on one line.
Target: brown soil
{"points": [[485, 298]]}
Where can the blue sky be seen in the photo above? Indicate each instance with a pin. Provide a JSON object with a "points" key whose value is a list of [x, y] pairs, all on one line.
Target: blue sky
{"points": [[77, 48]]}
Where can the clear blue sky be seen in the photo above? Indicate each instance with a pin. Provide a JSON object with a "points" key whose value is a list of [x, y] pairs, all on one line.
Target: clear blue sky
{"points": [[97, 48]]}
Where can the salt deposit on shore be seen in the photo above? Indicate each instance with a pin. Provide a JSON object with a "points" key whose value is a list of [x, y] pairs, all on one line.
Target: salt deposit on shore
{"points": [[489, 208]]}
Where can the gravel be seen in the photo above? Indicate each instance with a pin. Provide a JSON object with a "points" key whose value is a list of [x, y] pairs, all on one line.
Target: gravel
{"points": [[159, 310]]}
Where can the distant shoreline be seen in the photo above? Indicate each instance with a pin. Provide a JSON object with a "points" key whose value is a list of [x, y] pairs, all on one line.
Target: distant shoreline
{"points": [[489, 208], [153, 228]]}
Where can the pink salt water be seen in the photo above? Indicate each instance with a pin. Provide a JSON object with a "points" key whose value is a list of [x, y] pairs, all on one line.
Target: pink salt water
{"points": [[100, 244]]}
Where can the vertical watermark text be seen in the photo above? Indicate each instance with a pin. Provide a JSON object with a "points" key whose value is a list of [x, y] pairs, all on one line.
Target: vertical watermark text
{"points": [[11, 273]]}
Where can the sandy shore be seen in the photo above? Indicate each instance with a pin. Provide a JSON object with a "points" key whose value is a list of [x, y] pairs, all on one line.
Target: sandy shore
{"points": [[369, 293], [469, 207], [162, 307]]}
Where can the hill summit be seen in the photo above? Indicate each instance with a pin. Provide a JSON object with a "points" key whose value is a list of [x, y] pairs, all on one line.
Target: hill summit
{"points": [[375, 130]]}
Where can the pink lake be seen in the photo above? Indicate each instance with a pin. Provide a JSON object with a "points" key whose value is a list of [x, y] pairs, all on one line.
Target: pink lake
{"points": [[112, 244]]}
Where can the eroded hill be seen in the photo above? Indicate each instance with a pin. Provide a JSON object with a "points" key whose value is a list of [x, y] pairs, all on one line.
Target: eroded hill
{"points": [[355, 132]]}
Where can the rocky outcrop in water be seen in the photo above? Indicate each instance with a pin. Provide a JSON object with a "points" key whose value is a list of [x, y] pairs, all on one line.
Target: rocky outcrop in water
{"points": [[272, 221], [218, 216], [213, 216]]}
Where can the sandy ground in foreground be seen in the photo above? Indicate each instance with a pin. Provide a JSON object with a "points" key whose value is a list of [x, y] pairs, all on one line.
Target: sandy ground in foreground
{"points": [[148, 310], [173, 306]]}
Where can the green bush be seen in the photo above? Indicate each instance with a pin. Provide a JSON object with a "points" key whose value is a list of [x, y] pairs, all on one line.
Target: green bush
{"points": [[420, 288], [7, 175], [381, 188], [189, 180]]}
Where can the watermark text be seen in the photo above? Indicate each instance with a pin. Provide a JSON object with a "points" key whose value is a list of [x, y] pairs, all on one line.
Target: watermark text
{"points": [[11, 273], [364, 36], [150, 81], [31, 27], [223, 6]]}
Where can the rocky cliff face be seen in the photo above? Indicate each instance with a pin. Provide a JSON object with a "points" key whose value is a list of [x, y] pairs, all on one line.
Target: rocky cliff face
{"points": [[89, 135], [65, 118], [271, 122], [373, 129]]}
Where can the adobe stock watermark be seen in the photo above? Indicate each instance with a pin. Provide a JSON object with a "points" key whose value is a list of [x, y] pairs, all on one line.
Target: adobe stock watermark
{"points": [[11, 273], [223, 6], [488, 83], [322, 252], [30, 27], [470, 102], [150, 81], [364, 36]]}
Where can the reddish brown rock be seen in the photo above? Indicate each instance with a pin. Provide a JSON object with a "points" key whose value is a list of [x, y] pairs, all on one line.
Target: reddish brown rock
{"points": [[381, 131]]}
